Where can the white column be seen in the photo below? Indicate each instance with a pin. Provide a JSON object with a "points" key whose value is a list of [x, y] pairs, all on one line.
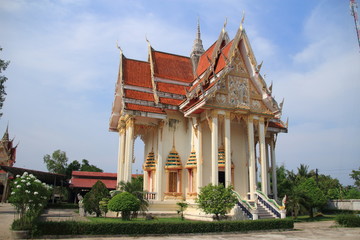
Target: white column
{"points": [[121, 156], [263, 157], [199, 165], [126, 155], [146, 186], [130, 147], [214, 150], [267, 167], [159, 167], [252, 167], [273, 166], [227, 151]]}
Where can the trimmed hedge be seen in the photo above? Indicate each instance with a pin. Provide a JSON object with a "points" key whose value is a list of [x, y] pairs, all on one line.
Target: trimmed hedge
{"points": [[140, 228], [348, 220]]}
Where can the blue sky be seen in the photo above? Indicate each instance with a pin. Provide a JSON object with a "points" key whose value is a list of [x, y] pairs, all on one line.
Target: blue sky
{"points": [[64, 65]]}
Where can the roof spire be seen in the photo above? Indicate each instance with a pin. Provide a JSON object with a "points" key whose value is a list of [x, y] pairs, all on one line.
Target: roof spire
{"points": [[6, 134], [198, 48]]}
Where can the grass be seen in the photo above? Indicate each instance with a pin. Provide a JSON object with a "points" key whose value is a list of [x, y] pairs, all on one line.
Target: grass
{"points": [[319, 218], [119, 220]]}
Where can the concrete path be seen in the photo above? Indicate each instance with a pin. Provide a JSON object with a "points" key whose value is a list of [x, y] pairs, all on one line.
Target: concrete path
{"points": [[7, 214], [311, 230]]}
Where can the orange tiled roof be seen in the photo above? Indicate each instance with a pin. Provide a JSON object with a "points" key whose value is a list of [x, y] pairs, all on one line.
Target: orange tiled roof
{"points": [[171, 88], [137, 73], [276, 125], [203, 61], [171, 101], [173, 67], [221, 62], [138, 95], [135, 107]]}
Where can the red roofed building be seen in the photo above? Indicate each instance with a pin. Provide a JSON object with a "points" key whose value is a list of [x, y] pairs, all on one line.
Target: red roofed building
{"points": [[82, 181], [207, 118]]}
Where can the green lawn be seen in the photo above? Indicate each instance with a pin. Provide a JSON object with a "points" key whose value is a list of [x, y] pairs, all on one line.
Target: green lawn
{"points": [[306, 218], [117, 220]]}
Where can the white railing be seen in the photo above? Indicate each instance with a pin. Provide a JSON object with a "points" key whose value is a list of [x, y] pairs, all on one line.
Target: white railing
{"points": [[150, 195]]}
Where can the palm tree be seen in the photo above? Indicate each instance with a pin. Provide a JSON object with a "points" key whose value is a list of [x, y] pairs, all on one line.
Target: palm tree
{"points": [[303, 171]]}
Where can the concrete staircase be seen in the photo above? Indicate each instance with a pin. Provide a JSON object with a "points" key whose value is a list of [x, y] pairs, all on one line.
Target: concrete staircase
{"points": [[263, 213]]}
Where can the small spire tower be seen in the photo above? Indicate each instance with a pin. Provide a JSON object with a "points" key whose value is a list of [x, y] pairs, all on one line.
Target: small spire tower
{"points": [[197, 50]]}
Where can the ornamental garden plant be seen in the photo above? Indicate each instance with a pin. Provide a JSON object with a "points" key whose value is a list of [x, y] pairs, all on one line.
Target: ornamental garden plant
{"points": [[29, 196], [217, 200]]}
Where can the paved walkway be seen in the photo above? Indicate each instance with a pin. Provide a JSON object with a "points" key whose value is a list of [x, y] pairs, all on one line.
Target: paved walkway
{"points": [[311, 230]]}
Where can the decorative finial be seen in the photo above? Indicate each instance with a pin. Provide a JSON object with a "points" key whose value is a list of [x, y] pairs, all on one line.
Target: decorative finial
{"points": [[118, 47], [242, 21], [270, 87], [258, 67], [282, 104], [147, 40], [225, 23]]}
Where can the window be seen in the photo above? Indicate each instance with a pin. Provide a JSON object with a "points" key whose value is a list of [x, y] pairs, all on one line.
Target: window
{"points": [[173, 181]]}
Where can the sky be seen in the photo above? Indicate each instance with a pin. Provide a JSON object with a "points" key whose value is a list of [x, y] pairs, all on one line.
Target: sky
{"points": [[64, 65]]}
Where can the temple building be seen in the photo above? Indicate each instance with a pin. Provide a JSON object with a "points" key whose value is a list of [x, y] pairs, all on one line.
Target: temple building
{"points": [[207, 118], [7, 158]]}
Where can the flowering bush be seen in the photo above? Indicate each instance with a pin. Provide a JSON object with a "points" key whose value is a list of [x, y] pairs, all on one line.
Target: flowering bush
{"points": [[29, 196]]}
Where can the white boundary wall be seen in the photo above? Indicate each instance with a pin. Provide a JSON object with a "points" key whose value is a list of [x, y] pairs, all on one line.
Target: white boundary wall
{"points": [[347, 204]]}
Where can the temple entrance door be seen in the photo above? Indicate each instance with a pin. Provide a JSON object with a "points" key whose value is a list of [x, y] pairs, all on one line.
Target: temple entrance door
{"points": [[221, 176]]}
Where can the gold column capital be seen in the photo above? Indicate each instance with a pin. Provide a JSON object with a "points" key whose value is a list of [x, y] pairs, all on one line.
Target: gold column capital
{"points": [[121, 126], [227, 115], [214, 113]]}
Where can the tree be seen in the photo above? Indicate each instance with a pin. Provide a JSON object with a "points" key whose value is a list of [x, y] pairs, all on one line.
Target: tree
{"points": [[86, 167], [216, 200], [356, 176], [57, 162], [3, 79], [73, 166], [182, 208], [312, 195], [92, 198], [125, 203]]}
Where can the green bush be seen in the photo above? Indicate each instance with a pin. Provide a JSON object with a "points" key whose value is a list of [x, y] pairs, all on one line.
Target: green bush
{"points": [[92, 198], [125, 203], [348, 220], [151, 227]]}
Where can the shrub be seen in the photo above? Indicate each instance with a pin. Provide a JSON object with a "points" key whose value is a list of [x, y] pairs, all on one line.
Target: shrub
{"points": [[92, 198], [104, 205], [125, 203], [216, 200], [151, 227], [348, 220], [183, 206], [29, 196]]}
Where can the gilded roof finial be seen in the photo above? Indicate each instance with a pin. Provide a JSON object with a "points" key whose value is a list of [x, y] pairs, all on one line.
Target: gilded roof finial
{"points": [[225, 23], [242, 21]]}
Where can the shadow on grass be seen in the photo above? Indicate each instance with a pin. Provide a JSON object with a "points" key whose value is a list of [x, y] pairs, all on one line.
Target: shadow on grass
{"points": [[313, 219]]}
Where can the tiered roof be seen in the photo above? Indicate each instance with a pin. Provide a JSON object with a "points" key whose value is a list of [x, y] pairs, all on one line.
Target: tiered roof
{"points": [[168, 82]]}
